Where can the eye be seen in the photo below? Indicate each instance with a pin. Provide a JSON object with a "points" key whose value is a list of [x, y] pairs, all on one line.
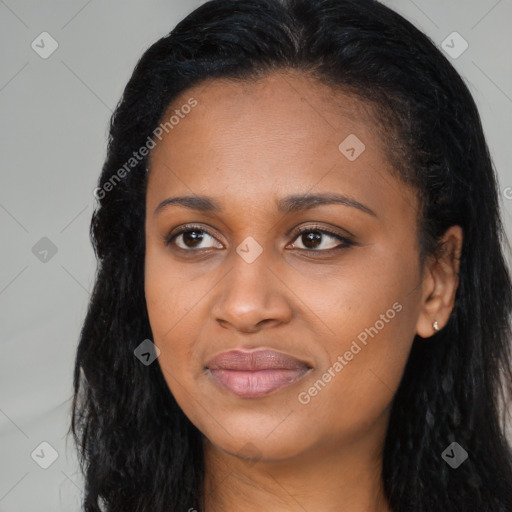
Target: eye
{"points": [[316, 239], [191, 237], [312, 238]]}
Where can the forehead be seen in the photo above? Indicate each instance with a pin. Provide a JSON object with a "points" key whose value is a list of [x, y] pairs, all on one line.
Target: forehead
{"points": [[284, 133], [285, 105]]}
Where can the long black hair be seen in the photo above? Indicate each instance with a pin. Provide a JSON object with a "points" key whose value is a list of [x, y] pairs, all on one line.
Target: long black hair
{"points": [[138, 451]]}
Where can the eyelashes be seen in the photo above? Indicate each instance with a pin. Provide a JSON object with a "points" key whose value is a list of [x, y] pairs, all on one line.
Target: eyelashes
{"points": [[196, 235]]}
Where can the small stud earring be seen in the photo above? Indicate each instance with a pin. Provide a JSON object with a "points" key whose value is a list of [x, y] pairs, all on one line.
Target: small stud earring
{"points": [[435, 326]]}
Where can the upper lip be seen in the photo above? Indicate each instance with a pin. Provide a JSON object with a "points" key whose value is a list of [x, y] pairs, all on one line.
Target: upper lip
{"points": [[262, 359]]}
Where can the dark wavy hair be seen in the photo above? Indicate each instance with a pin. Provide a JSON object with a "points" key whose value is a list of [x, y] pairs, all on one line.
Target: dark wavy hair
{"points": [[138, 451]]}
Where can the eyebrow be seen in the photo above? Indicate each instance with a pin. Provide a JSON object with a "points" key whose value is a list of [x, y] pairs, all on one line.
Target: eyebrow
{"points": [[286, 205]]}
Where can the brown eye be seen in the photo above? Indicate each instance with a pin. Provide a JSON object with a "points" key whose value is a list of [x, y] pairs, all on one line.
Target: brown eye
{"points": [[313, 239], [191, 237]]}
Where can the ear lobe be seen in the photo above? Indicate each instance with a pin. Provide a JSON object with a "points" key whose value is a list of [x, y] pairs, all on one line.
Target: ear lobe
{"points": [[440, 283]]}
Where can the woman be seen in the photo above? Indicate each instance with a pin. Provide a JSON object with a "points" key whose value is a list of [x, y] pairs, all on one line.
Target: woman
{"points": [[302, 302]]}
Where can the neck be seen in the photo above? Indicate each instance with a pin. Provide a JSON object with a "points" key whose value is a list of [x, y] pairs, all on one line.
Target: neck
{"points": [[325, 479]]}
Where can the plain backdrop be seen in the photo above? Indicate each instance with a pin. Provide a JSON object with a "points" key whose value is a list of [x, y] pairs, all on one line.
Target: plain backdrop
{"points": [[54, 117]]}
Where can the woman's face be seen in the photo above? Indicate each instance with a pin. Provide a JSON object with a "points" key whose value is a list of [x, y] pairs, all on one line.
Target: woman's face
{"points": [[276, 343]]}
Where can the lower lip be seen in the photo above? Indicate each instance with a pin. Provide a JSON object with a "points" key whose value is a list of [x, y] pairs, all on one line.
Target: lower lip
{"points": [[257, 383]]}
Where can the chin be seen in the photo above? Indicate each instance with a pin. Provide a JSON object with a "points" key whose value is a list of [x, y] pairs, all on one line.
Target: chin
{"points": [[257, 439]]}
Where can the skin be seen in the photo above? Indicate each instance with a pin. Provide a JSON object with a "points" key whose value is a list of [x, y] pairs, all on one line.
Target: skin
{"points": [[246, 146]]}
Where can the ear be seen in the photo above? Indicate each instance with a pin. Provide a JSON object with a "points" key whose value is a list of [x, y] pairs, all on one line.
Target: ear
{"points": [[440, 282]]}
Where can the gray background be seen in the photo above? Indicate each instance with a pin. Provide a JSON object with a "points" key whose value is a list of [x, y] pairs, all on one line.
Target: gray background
{"points": [[54, 120]]}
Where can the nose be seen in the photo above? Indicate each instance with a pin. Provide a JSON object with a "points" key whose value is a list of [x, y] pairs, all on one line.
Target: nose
{"points": [[252, 296]]}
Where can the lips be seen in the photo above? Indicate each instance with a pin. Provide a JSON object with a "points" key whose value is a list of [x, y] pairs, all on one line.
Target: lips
{"points": [[252, 374]]}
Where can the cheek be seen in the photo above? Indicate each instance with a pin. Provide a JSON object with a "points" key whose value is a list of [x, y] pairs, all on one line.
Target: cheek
{"points": [[167, 309], [177, 304], [350, 392], [371, 316], [361, 293], [170, 293]]}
